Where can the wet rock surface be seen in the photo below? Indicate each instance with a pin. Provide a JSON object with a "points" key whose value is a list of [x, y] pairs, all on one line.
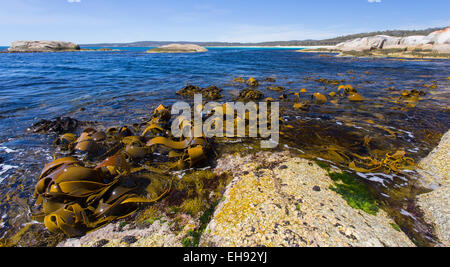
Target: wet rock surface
{"points": [[435, 170], [269, 205], [58, 125], [212, 92]]}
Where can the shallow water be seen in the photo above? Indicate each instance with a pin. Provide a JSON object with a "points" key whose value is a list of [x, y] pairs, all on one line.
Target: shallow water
{"points": [[121, 87]]}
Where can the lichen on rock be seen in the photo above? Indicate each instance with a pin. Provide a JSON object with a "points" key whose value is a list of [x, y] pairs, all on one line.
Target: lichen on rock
{"points": [[277, 200]]}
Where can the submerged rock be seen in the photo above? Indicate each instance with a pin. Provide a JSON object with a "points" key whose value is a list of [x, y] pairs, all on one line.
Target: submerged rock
{"points": [[435, 171], [269, 80], [274, 200], [178, 48], [43, 46]]}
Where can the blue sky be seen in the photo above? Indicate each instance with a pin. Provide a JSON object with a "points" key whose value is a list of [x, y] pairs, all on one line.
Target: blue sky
{"points": [[93, 21]]}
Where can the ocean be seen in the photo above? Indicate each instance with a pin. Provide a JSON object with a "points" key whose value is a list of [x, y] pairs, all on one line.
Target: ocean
{"points": [[122, 87]]}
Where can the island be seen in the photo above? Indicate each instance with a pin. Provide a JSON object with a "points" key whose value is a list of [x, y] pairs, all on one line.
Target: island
{"points": [[49, 46], [178, 48], [43, 46]]}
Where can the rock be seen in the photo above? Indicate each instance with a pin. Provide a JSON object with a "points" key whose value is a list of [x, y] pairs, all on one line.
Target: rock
{"points": [[252, 82], [369, 43], [158, 234], [100, 243], [273, 207], [438, 41], [355, 97], [441, 48], [43, 46], [276, 88], [435, 168], [1, 160], [439, 37], [212, 92], [129, 239], [435, 207], [435, 171], [178, 48], [417, 40], [251, 94], [59, 125], [270, 80], [319, 98]]}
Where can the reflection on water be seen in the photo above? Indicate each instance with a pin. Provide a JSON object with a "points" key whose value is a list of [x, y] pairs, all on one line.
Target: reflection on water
{"points": [[405, 108]]}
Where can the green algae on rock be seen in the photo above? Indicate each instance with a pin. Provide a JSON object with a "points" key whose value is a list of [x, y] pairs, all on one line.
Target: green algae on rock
{"points": [[354, 192]]}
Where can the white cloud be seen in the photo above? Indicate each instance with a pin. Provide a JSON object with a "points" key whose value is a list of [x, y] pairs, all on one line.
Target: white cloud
{"points": [[374, 1], [74, 1]]}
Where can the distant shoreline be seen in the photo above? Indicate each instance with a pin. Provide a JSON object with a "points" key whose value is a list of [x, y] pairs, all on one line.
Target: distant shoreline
{"points": [[266, 46]]}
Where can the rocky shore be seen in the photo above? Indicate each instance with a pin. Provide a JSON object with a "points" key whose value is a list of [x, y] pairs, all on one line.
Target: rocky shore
{"points": [[274, 199], [435, 45], [278, 199], [178, 48], [435, 170]]}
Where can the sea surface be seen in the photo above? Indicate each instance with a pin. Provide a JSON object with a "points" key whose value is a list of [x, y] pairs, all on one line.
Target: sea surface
{"points": [[122, 87]]}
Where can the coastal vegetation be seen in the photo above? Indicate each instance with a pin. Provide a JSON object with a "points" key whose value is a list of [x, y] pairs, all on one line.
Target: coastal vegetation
{"points": [[325, 42]]}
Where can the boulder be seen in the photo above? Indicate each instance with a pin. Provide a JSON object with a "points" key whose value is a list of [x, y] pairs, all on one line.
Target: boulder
{"points": [[178, 48], [438, 41], [416, 40], [42, 46], [439, 37], [369, 43]]}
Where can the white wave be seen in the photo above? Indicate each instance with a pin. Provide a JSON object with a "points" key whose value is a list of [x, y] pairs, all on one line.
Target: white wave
{"points": [[3, 169], [7, 150]]}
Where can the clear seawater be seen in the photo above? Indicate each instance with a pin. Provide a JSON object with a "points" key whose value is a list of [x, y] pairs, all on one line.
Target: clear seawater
{"points": [[121, 87]]}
